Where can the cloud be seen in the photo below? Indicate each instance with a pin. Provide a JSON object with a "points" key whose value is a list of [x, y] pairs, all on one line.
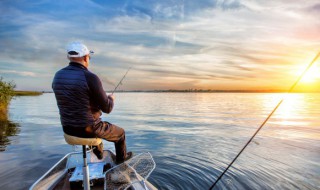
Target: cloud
{"points": [[176, 9], [21, 73], [177, 42], [315, 9]]}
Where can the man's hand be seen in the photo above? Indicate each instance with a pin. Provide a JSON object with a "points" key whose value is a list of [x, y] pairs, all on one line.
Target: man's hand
{"points": [[111, 96]]}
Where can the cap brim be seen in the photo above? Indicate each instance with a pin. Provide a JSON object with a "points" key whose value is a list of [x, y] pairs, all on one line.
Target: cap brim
{"points": [[74, 55]]}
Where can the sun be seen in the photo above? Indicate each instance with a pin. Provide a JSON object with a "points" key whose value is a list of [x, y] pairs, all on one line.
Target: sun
{"points": [[312, 75], [310, 80]]}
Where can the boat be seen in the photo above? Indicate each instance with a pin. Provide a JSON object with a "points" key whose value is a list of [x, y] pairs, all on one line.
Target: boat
{"points": [[104, 174]]}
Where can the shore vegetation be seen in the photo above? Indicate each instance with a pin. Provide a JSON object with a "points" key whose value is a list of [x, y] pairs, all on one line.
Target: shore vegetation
{"points": [[27, 93], [6, 94]]}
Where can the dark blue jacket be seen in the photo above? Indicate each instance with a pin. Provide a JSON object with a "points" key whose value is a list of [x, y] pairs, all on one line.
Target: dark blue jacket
{"points": [[79, 94]]}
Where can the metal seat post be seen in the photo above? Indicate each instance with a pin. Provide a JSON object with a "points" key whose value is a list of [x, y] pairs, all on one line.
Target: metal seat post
{"points": [[86, 183]]}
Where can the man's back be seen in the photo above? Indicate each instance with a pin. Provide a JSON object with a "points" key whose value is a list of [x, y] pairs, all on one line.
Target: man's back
{"points": [[73, 96]]}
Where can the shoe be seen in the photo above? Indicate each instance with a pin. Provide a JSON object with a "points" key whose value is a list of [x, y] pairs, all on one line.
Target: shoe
{"points": [[106, 167], [98, 151], [128, 156]]}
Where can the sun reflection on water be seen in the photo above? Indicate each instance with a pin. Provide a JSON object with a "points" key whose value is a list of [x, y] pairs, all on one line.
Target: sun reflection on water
{"points": [[289, 109], [293, 119]]}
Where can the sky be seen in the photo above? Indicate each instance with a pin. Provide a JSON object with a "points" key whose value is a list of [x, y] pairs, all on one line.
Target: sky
{"points": [[170, 44]]}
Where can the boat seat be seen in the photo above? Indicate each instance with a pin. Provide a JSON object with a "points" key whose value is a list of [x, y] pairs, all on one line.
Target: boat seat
{"points": [[73, 140]]}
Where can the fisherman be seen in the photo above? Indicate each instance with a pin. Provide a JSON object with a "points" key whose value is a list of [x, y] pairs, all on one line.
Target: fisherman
{"points": [[81, 100]]}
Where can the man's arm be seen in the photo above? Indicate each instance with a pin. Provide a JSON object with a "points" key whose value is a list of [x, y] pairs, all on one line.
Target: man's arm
{"points": [[97, 93]]}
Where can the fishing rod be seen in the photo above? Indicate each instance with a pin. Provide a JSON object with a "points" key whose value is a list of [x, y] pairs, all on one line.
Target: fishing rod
{"points": [[120, 81], [265, 121]]}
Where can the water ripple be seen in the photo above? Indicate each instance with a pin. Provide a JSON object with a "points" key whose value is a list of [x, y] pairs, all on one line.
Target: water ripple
{"points": [[192, 137]]}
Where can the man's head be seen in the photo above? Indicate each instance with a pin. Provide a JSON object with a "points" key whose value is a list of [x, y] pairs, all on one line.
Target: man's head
{"points": [[79, 53]]}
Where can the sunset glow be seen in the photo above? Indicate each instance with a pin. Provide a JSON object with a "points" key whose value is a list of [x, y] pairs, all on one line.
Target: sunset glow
{"points": [[218, 45], [310, 80], [312, 76]]}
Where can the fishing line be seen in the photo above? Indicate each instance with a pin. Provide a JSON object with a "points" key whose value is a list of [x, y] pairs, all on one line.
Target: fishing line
{"points": [[265, 121], [120, 81]]}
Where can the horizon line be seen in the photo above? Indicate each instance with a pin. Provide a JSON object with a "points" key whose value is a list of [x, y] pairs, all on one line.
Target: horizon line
{"points": [[197, 90]]}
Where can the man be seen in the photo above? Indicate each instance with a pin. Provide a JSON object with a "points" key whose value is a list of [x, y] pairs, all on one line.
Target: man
{"points": [[81, 98]]}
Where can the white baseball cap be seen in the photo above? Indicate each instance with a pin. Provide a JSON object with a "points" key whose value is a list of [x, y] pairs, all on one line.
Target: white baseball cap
{"points": [[78, 49]]}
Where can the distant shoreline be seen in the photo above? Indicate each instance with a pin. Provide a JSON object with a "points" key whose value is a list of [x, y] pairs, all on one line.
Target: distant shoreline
{"points": [[27, 93], [215, 91], [204, 91]]}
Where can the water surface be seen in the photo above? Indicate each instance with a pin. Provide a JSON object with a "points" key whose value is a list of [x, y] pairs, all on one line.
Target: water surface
{"points": [[192, 137]]}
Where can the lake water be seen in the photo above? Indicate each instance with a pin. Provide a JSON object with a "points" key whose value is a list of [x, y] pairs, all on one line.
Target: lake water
{"points": [[192, 137]]}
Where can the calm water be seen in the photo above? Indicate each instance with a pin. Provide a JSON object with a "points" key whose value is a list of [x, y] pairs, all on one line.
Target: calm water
{"points": [[192, 137]]}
